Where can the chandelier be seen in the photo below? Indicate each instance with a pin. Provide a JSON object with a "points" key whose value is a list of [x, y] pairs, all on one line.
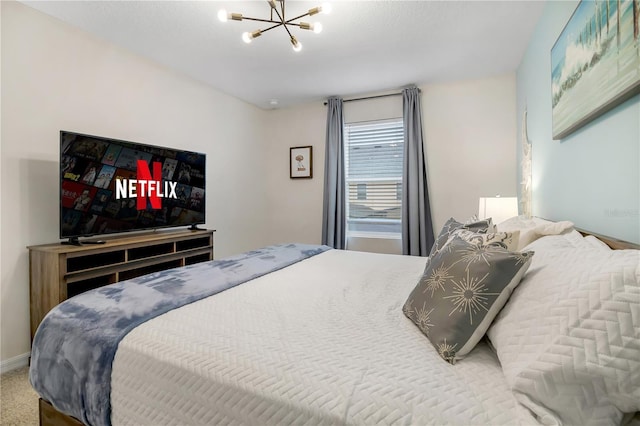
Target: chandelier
{"points": [[278, 19]]}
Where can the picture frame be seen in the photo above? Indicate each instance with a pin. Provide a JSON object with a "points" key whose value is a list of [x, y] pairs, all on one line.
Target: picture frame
{"points": [[301, 162], [595, 63]]}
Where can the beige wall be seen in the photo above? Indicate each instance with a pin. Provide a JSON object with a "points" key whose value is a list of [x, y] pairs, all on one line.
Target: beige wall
{"points": [[295, 205], [56, 77], [470, 143], [470, 137]]}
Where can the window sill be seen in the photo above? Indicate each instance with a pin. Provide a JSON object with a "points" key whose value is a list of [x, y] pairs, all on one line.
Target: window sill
{"points": [[378, 235]]}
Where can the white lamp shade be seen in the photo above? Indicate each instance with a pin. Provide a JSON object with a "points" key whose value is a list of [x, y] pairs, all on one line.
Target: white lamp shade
{"points": [[497, 208]]}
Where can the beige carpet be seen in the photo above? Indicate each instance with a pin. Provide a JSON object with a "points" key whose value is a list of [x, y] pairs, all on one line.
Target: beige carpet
{"points": [[18, 400]]}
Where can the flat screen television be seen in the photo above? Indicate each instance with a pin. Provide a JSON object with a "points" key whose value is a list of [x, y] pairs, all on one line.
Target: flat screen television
{"points": [[112, 186]]}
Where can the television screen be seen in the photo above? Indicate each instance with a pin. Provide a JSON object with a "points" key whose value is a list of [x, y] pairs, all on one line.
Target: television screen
{"points": [[109, 186]]}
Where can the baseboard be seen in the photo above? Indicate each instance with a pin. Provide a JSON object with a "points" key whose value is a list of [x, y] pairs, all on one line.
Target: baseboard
{"points": [[14, 363]]}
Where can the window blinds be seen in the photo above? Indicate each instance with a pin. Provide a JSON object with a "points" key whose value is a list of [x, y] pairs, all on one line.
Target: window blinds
{"points": [[374, 156]]}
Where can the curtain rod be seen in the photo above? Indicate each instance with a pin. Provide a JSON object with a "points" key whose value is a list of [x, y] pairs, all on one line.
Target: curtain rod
{"points": [[370, 97]]}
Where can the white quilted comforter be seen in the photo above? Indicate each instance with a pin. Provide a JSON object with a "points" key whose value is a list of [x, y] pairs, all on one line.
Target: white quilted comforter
{"points": [[321, 342]]}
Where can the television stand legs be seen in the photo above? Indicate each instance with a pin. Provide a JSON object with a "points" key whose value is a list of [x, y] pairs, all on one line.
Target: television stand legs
{"points": [[73, 241]]}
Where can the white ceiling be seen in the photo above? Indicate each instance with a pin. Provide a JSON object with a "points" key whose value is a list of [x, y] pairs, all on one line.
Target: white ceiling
{"points": [[365, 46]]}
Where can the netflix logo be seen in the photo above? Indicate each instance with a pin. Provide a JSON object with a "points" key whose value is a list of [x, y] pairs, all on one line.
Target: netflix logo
{"points": [[146, 188]]}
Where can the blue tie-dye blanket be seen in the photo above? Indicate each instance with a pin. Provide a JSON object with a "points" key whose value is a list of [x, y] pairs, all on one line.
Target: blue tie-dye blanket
{"points": [[74, 346]]}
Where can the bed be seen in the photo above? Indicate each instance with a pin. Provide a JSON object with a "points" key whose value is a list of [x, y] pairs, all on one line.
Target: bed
{"points": [[301, 334]]}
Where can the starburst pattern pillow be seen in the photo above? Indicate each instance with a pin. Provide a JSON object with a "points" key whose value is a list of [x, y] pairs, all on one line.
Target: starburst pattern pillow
{"points": [[463, 287], [506, 240], [452, 225]]}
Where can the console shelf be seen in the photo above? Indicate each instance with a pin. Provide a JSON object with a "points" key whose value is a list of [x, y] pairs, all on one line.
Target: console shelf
{"points": [[58, 272]]}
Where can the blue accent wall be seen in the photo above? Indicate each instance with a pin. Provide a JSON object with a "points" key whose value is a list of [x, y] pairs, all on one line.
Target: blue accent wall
{"points": [[592, 176]]}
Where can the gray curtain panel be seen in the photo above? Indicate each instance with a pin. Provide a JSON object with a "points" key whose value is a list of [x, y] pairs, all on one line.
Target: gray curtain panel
{"points": [[417, 229], [334, 208]]}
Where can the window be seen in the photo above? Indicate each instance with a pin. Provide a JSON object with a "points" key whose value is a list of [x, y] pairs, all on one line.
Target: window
{"points": [[373, 162]]}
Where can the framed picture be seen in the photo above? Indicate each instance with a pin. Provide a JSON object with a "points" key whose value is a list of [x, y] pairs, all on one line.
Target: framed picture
{"points": [[595, 63], [301, 162]]}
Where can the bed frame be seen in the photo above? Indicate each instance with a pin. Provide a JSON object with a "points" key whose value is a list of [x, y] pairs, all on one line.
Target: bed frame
{"points": [[49, 416], [614, 243]]}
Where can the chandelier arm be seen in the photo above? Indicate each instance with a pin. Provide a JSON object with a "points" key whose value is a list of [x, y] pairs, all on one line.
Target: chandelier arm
{"points": [[287, 29], [277, 13], [262, 20], [297, 17], [282, 18], [271, 27]]}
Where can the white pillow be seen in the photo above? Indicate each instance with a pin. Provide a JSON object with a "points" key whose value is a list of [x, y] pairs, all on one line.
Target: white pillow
{"points": [[569, 337], [532, 229]]}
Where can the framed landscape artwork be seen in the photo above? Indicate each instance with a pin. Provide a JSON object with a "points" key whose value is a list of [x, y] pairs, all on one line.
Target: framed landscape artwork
{"points": [[300, 162], [595, 63]]}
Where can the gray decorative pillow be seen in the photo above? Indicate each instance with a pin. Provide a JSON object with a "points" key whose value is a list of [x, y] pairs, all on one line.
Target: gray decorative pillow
{"points": [[481, 226], [506, 240], [461, 291]]}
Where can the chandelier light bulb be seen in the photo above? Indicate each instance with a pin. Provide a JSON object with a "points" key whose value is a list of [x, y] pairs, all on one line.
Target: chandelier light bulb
{"points": [[315, 27], [297, 46], [326, 8], [247, 37], [222, 15]]}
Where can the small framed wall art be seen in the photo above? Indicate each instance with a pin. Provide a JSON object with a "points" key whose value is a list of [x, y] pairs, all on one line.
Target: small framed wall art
{"points": [[301, 162]]}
